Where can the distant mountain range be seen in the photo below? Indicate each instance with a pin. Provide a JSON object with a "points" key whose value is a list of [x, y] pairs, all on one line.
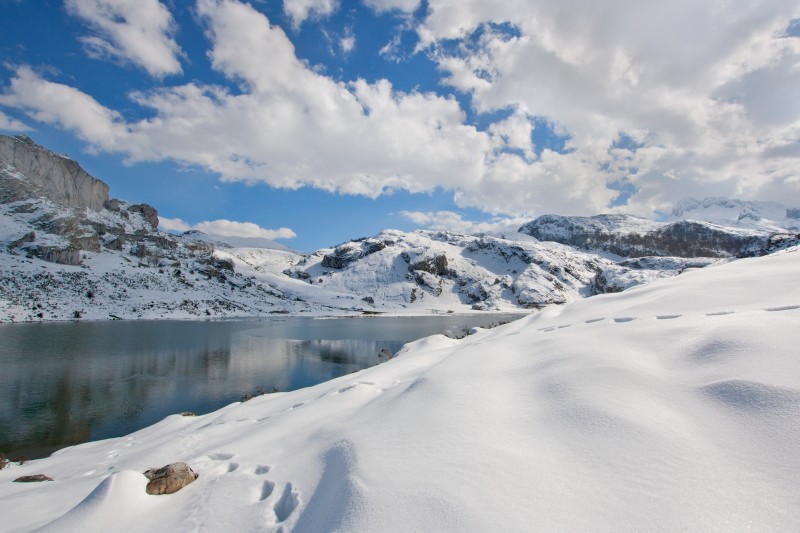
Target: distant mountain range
{"points": [[69, 251]]}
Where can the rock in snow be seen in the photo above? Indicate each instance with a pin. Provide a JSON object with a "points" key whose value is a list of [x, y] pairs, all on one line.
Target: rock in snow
{"points": [[673, 406], [169, 479]]}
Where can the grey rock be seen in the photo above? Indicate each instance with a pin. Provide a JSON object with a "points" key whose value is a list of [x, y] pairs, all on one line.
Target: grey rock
{"points": [[148, 212], [48, 174], [33, 479], [169, 479], [25, 239], [54, 254]]}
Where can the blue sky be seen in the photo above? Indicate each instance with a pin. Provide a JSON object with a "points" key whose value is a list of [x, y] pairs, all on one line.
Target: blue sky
{"points": [[316, 121]]}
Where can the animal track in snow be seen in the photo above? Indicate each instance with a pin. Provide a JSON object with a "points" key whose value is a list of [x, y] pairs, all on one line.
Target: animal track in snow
{"points": [[287, 503], [261, 470], [720, 313], [592, 320], [783, 308], [220, 456], [667, 317], [266, 490], [625, 319]]}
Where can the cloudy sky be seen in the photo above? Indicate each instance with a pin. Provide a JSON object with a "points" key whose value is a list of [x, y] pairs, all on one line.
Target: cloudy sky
{"points": [[316, 121]]}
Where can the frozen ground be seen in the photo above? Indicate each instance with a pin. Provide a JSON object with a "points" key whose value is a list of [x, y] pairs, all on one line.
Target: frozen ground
{"points": [[673, 406]]}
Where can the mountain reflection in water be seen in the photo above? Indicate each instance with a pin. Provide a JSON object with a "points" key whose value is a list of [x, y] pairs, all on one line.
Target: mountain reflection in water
{"points": [[67, 383]]}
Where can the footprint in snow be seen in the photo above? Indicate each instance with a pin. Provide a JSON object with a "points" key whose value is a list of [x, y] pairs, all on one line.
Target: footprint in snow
{"points": [[720, 313], [625, 319], [783, 308], [287, 503], [667, 317], [592, 320]]}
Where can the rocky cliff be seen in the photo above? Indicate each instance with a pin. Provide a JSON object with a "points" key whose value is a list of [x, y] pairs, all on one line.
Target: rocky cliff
{"points": [[56, 210], [40, 172]]}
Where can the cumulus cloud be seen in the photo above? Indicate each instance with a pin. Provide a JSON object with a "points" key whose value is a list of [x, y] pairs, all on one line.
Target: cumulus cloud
{"points": [[138, 31], [452, 221], [300, 10], [227, 228], [288, 126], [408, 6], [706, 89], [55, 103], [11, 124], [676, 99]]}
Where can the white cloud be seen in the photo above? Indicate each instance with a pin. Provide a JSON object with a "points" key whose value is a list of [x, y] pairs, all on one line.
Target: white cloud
{"points": [[452, 221], [54, 103], [348, 42], [227, 228], [407, 6], [11, 124], [139, 31], [706, 95], [173, 224], [300, 10], [288, 127], [707, 88]]}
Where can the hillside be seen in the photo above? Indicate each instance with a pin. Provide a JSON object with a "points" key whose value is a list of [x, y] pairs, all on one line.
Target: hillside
{"points": [[68, 252], [669, 407]]}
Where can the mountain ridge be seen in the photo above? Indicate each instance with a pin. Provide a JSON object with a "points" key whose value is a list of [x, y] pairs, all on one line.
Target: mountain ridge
{"points": [[63, 258]]}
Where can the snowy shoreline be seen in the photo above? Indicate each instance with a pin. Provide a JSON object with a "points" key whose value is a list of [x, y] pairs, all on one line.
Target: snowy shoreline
{"points": [[671, 406]]}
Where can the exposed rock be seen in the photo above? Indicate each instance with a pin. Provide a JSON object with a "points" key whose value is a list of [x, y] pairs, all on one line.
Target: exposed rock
{"points": [[350, 252], [369, 299], [51, 175], [112, 205], [148, 212], [433, 265], [169, 479], [54, 254], [630, 236], [33, 479], [25, 239], [89, 242]]}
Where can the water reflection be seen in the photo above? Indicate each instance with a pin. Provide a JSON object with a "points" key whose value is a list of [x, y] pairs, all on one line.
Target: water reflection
{"points": [[64, 384]]}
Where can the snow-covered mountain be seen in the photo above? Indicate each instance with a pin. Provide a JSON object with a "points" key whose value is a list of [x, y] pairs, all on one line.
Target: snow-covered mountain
{"points": [[670, 407], [68, 251], [770, 217], [630, 236]]}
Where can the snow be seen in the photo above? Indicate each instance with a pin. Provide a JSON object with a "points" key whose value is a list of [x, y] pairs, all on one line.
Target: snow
{"points": [[760, 216], [670, 406]]}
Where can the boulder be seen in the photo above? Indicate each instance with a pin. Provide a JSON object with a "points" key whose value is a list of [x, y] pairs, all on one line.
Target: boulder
{"points": [[33, 479], [169, 479]]}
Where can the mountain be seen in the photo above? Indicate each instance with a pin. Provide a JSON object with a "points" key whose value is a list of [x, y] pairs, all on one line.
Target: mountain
{"points": [[673, 406], [69, 251], [630, 236], [770, 217]]}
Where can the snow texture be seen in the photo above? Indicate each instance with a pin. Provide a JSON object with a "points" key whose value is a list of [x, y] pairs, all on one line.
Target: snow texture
{"points": [[673, 406]]}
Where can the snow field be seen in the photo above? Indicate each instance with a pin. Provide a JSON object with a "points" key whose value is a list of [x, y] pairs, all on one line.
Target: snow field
{"points": [[672, 406]]}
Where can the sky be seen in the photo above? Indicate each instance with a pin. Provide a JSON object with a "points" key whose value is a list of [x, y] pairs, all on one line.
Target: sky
{"points": [[317, 121]]}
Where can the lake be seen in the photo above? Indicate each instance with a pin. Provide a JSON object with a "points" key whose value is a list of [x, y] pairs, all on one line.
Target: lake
{"points": [[72, 382]]}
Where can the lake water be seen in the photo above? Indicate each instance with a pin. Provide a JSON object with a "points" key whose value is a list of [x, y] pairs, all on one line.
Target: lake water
{"points": [[66, 383]]}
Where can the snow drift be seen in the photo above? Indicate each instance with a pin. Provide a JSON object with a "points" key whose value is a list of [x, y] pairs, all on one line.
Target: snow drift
{"points": [[671, 406]]}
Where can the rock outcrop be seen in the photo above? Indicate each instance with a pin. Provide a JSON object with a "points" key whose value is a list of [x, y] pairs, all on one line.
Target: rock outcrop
{"points": [[629, 236], [49, 175]]}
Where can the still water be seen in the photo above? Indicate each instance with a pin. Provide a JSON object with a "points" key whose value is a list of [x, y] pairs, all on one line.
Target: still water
{"points": [[67, 383]]}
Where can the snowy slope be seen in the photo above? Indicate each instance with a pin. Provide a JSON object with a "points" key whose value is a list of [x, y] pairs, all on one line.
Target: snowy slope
{"points": [[673, 406]]}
